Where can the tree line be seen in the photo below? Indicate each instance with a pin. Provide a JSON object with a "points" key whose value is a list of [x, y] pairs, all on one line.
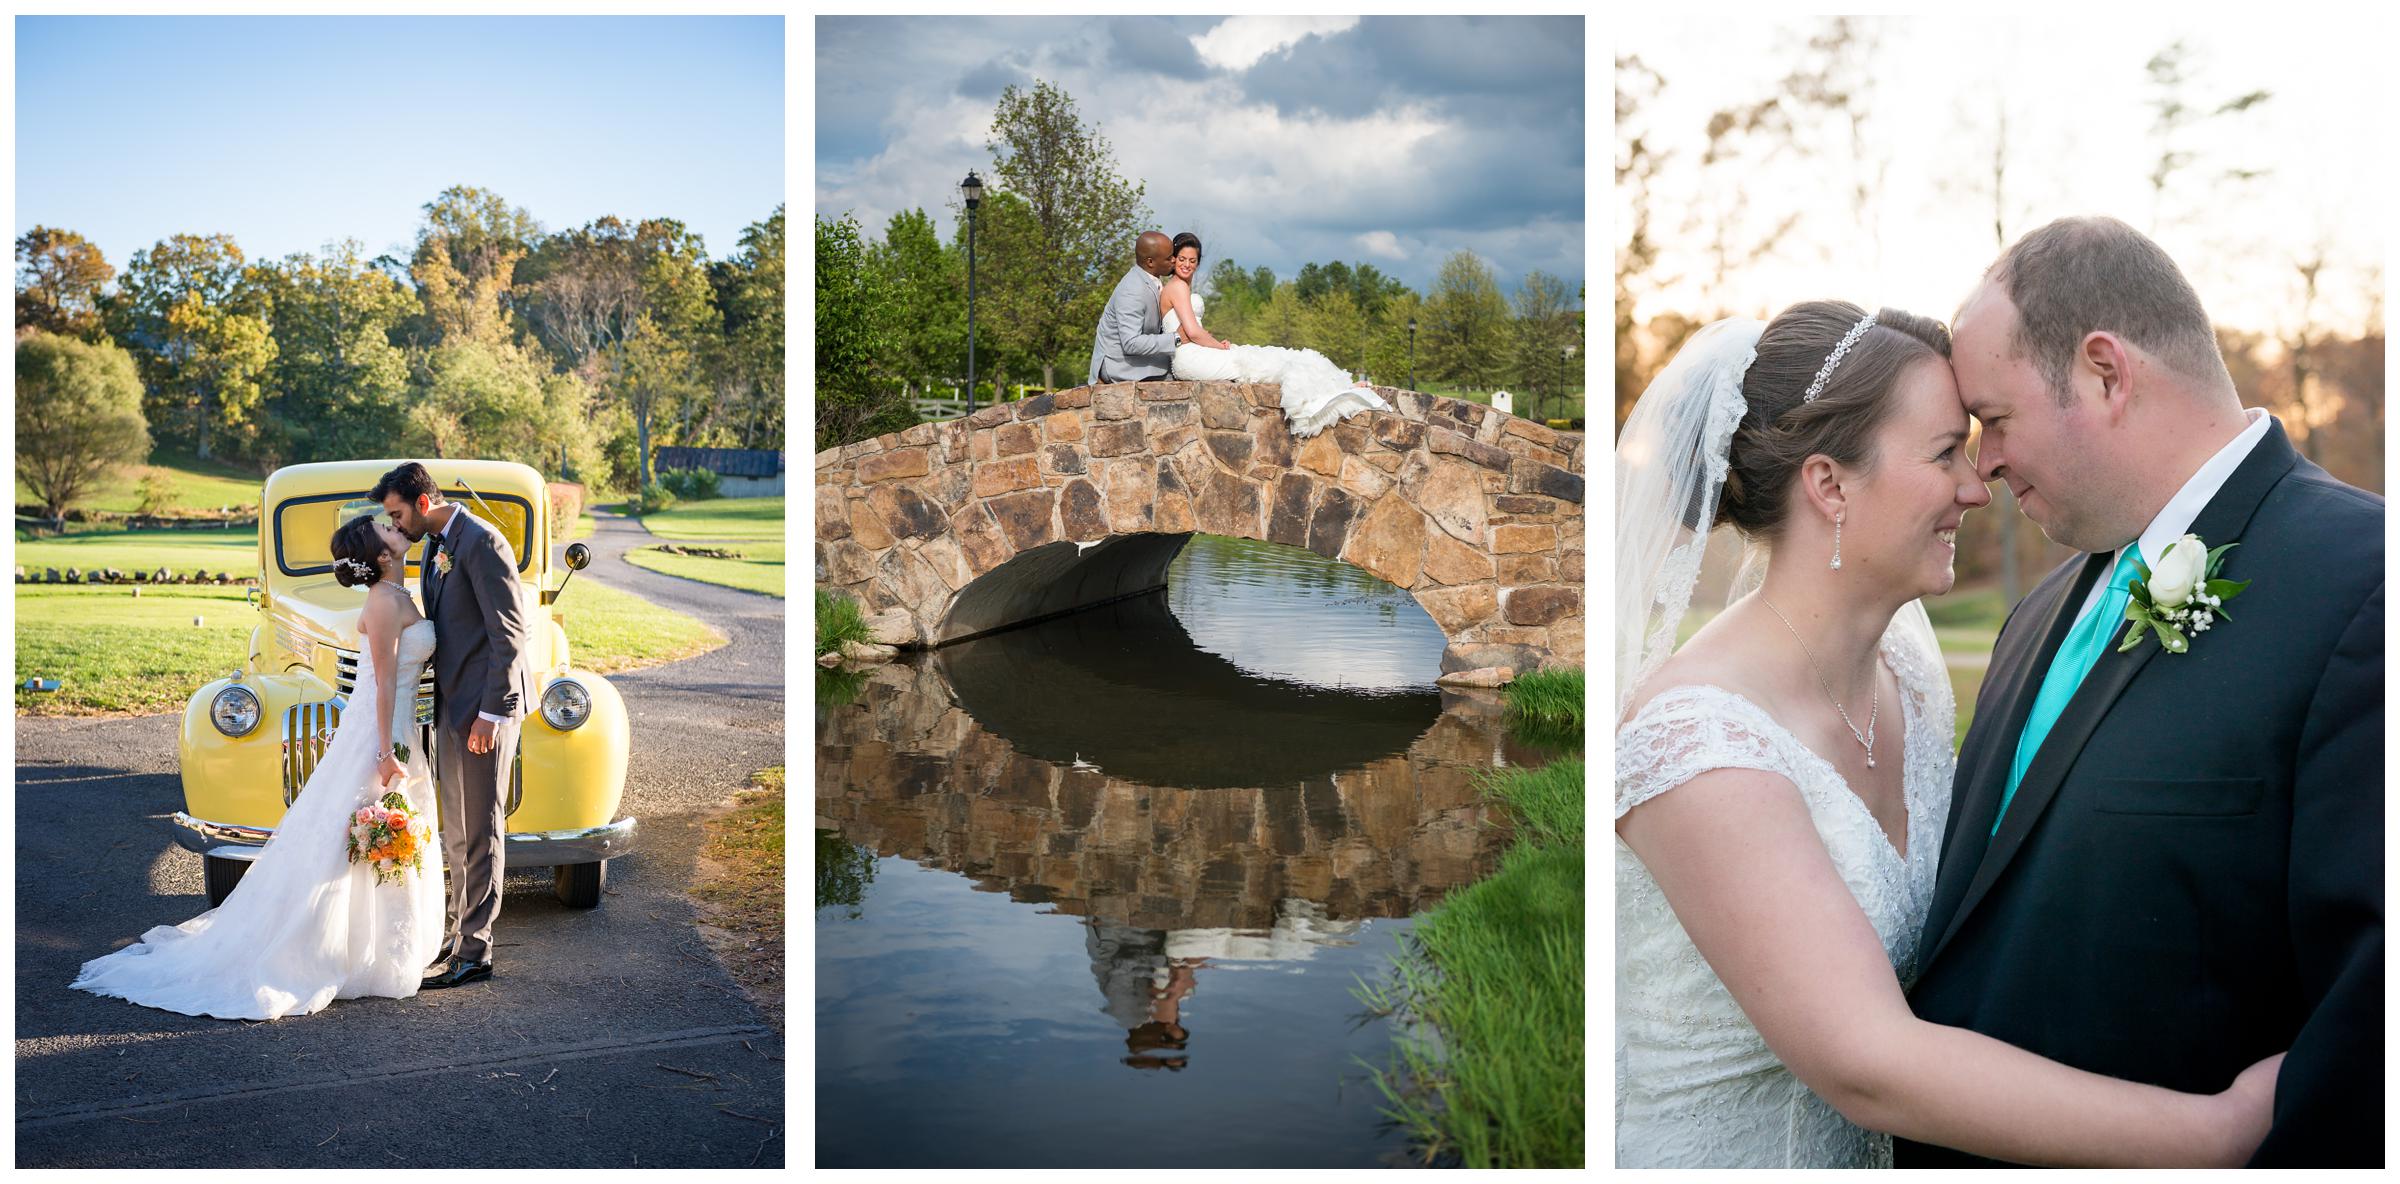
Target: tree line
{"points": [[577, 352], [1054, 233]]}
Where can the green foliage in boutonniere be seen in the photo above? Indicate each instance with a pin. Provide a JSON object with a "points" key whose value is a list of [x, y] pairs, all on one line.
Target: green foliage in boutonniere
{"points": [[2183, 598]]}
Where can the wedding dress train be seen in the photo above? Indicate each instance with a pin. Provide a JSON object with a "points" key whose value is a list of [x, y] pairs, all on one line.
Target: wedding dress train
{"points": [[305, 926], [1316, 393]]}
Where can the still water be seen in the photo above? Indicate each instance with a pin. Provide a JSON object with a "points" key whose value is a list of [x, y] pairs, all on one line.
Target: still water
{"points": [[1095, 892]]}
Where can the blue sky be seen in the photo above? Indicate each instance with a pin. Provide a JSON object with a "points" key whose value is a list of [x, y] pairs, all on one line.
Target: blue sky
{"points": [[1279, 140], [290, 132]]}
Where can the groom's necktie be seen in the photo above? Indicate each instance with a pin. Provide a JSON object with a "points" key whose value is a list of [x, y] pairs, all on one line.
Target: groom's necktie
{"points": [[2074, 660]]}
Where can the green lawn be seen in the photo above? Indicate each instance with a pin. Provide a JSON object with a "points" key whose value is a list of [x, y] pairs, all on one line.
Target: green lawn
{"points": [[582, 528], [760, 569], [234, 551], [759, 518], [119, 653], [609, 630], [193, 484]]}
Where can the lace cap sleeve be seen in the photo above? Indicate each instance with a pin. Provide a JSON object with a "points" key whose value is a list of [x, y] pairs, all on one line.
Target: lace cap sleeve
{"points": [[1687, 731]]}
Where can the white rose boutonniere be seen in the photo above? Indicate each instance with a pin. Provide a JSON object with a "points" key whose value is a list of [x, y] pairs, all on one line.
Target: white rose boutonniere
{"points": [[2182, 597]]}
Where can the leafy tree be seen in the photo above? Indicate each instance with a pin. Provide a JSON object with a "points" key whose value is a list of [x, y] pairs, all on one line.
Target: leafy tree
{"points": [[580, 290], [1545, 326], [59, 280], [752, 297], [79, 411], [855, 333], [476, 398], [337, 387], [194, 320], [1387, 340], [929, 286], [1336, 328], [1281, 321], [1085, 215], [1465, 323], [465, 262]]}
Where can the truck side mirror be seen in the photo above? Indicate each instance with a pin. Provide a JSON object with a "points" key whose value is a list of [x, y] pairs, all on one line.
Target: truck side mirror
{"points": [[578, 556]]}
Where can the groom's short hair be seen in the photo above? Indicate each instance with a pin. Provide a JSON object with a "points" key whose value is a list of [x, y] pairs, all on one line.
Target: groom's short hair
{"points": [[410, 481], [2077, 276]]}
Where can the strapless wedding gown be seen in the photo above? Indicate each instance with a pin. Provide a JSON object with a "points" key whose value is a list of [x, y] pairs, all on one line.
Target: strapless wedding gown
{"points": [[1316, 393], [306, 926], [1696, 1083]]}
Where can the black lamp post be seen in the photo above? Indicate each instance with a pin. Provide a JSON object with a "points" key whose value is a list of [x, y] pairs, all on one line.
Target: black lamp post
{"points": [[971, 191], [1412, 353]]}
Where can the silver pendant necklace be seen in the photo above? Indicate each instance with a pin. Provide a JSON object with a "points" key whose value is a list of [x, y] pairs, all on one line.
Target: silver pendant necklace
{"points": [[1866, 739]]}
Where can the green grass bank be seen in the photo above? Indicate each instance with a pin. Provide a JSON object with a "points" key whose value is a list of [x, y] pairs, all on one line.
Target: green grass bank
{"points": [[1495, 972]]}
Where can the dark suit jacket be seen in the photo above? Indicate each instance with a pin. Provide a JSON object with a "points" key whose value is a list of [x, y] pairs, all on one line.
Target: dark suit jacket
{"points": [[2191, 875], [480, 631]]}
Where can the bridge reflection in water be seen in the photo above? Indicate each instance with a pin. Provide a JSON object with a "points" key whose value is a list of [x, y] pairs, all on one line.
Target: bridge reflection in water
{"points": [[1233, 849]]}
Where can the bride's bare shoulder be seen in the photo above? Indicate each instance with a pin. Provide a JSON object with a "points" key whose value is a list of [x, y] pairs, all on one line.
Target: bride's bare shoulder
{"points": [[1716, 656]]}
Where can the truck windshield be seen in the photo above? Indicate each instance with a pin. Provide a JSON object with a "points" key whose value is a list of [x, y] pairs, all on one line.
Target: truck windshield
{"points": [[304, 526]]}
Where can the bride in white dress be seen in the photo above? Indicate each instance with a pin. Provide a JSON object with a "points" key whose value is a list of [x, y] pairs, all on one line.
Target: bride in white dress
{"points": [[1776, 841], [1316, 393], [305, 926]]}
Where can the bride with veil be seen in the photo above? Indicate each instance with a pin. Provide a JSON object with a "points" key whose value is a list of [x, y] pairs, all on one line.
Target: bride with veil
{"points": [[1783, 776]]}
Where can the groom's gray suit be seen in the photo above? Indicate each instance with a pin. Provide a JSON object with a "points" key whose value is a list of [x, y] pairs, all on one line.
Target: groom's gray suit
{"points": [[1129, 346], [479, 669]]}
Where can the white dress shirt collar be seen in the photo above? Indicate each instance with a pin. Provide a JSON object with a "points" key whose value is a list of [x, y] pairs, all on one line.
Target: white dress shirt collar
{"points": [[2175, 518]]}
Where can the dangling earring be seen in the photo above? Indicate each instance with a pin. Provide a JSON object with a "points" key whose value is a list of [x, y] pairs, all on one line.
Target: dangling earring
{"points": [[1837, 542]]}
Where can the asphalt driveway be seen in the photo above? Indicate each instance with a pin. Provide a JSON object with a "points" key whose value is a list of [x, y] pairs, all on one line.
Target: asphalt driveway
{"points": [[607, 1038]]}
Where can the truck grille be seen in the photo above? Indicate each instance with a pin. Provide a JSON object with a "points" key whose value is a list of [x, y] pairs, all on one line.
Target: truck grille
{"points": [[307, 728], [345, 679]]}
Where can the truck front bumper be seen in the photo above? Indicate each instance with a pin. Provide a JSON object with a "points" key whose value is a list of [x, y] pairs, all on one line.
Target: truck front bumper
{"points": [[552, 848]]}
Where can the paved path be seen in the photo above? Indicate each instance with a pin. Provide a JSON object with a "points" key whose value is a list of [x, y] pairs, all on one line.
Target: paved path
{"points": [[553, 1063]]}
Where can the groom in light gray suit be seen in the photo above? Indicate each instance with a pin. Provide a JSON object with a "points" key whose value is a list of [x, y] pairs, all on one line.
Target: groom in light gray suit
{"points": [[482, 688], [1129, 346]]}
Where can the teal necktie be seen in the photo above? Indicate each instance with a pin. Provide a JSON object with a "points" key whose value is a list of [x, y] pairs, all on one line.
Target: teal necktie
{"points": [[2075, 658]]}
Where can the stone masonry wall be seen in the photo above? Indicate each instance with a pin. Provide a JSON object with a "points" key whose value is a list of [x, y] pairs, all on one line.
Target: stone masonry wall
{"points": [[1477, 513]]}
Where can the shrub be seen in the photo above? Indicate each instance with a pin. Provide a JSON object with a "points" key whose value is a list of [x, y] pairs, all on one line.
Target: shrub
{"points": [[692, 485], [653, 498], [566, 505]]}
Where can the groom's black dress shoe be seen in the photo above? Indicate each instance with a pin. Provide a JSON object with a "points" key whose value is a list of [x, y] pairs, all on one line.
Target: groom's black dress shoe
{"points": [[458, 974]]}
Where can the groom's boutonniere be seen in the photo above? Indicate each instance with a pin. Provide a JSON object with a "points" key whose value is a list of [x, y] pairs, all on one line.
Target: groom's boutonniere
{"points": [[2183, 597], [441, 560]]}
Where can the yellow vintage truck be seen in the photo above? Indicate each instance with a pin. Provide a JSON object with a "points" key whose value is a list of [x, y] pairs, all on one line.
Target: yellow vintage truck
{"points": [[251, 738]]}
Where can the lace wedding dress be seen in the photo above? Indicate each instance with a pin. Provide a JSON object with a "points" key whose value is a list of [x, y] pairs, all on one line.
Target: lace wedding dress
{"points": [[1696, 1083], [1316, 393], [306, 926]]}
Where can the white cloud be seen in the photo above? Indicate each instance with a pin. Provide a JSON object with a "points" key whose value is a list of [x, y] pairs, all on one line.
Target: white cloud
{"points": [[1239, 41], [1380, 243]]}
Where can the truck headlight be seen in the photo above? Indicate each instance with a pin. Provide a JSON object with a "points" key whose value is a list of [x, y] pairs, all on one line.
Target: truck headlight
{"points": [[566, 704], [234, 711]]}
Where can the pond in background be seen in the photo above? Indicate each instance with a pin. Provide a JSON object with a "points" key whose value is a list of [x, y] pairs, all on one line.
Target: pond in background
{"points": [[1096, 892]]}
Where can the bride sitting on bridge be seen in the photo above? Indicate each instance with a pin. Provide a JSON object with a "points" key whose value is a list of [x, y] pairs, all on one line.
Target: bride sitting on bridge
{"points": [[1316, 393]]}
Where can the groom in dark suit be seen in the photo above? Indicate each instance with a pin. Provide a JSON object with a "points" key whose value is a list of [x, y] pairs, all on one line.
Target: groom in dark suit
{"points": [[482, 689], [2163, 865]]}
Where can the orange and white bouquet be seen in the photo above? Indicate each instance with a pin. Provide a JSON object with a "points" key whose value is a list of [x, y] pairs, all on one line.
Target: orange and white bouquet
{"points": [[391, 835]]}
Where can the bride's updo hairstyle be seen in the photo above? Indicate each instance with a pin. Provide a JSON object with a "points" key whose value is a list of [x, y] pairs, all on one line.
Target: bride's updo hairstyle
{"points": [[358, 553], [1780, 430]]}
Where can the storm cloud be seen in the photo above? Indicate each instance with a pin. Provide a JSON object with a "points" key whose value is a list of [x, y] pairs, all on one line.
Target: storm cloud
{"points": [[1391, 140]]}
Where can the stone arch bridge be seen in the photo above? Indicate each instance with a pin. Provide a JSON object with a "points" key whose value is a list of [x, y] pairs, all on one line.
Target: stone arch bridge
{"points": [[1023, 511]]}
